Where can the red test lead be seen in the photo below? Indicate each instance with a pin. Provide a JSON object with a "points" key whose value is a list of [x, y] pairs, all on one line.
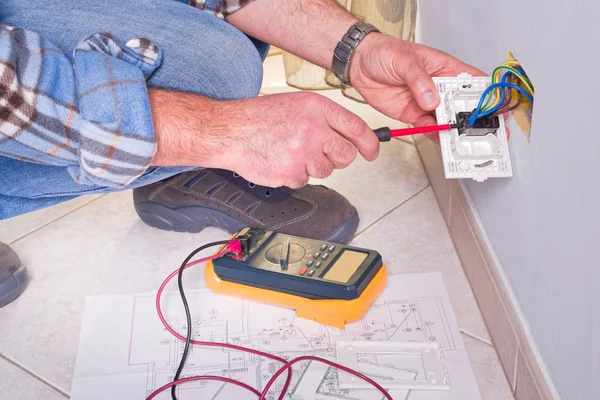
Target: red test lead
{"points": [[386, 134]]}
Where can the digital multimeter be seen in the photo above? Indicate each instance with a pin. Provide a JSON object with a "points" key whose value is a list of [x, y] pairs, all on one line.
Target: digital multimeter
{"points": [[327, 282]]}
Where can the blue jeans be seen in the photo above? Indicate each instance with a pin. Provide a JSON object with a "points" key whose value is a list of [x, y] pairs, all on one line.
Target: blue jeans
{"points": [[202, 55]]}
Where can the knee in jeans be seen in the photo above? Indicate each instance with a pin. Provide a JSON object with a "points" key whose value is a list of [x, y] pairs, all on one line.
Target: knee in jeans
{"points": [[223, 65], [242, 72]]}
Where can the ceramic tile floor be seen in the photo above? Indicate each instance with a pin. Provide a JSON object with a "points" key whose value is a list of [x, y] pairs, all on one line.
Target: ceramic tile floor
{"points": [[97, 245]]}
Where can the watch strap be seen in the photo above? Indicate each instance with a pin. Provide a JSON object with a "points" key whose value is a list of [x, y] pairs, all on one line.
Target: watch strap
{"points": [[346, 48]]}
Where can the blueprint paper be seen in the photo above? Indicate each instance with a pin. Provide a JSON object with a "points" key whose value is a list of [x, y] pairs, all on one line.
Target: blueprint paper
{"points": [[125, 352]]}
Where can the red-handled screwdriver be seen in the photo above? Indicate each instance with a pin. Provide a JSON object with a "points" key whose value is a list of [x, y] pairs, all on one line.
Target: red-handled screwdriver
{"points": [[386, 134]]}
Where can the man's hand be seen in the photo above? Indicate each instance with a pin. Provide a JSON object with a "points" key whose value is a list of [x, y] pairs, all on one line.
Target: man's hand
{"points": [[276, 140], [284, 139], [394, 76]]}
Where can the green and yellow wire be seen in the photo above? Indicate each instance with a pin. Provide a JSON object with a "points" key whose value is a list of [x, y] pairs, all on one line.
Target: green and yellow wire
{"points": [[494, 98]]}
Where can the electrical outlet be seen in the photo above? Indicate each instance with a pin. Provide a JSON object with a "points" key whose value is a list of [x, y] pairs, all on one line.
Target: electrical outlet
{"points": [[477, 152]]}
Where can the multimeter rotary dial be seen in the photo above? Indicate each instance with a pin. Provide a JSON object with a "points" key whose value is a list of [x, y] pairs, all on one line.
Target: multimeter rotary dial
{"points": [[285, 253]]}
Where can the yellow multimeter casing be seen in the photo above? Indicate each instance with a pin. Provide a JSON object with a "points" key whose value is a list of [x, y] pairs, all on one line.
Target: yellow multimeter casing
{"points": [[274, 270]]}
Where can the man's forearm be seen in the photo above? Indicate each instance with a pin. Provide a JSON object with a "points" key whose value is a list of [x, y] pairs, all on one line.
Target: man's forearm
{"points": [[188, 130], [309, 29]]}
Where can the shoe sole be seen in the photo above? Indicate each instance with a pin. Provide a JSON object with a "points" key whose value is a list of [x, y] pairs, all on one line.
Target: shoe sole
{"points": [[194, 219], [13, 286]]}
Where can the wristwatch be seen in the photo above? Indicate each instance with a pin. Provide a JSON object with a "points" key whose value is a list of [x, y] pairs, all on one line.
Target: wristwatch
{"points": [[346, 47]]}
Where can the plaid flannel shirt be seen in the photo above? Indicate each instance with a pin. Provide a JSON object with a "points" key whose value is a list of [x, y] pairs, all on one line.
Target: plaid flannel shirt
{"points": [[91, 114]]}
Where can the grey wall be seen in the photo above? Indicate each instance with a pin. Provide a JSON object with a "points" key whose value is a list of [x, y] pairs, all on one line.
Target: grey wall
{"points": [[544, 223]]}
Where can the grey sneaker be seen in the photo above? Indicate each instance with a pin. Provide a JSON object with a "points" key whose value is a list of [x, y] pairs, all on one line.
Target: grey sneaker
{"points": [[192, 201], [12, 275]]}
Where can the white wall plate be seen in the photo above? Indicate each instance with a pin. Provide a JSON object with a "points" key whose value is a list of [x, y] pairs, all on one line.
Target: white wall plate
{"points": [[470, 156], [425, 356], [319, 382]]}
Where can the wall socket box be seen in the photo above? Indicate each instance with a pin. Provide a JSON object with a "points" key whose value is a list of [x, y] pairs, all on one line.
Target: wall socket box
{"points": [[524, 112], [476, 154]]}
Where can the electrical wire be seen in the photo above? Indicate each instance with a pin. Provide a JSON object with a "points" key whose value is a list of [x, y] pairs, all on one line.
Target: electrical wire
{"points": [[188, 315], [523, 78], [517, 71], [494, 97], [508, 106], [520, 69], [510, 85], [202, 378], [498, 94], [504, 110], [507, 98], [497, 104], [478, 114], [188, 340], [210, 344]]}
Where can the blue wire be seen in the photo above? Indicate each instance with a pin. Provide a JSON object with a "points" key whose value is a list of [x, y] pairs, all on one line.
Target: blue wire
{"points": [[502, 97], [476, 114], [472, 118]]}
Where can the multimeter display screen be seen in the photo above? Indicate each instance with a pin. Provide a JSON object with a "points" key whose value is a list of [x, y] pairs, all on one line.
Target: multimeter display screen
{"points": [[345, 266]]}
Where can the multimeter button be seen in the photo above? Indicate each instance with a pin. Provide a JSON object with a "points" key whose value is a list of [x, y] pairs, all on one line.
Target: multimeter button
{"points": [[318, 264], [317, 255], [331, 248], [303, 271], [310, 263], [324, 256], [324, 247], [311, 272]]}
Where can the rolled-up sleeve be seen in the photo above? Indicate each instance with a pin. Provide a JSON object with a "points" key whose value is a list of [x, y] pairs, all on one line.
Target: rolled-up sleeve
{"points": [[90, 114], [220, 8]]}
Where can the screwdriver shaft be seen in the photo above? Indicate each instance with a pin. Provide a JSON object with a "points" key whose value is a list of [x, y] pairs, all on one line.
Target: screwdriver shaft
{"points": [[419, 129]]}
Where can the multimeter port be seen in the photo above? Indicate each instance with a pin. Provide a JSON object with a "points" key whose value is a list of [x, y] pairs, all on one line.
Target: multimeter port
{"points": [[244, 243]]}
